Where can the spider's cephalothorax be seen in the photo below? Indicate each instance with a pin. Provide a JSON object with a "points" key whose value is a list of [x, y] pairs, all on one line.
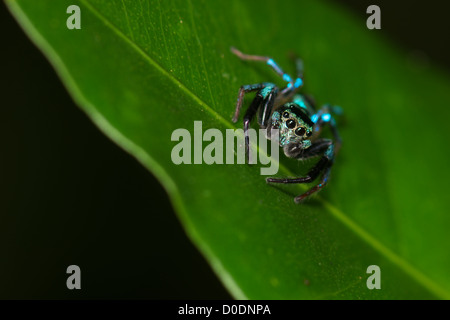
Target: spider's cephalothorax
{"points": [[298, 122], [295, 128]]}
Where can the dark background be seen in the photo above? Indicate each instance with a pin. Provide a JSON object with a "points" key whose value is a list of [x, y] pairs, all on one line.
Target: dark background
{"points": [[68, 195]]}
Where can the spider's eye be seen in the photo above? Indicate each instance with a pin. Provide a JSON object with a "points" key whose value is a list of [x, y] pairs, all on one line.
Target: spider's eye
{"points": [[309, 133], [300, 131], [290, 124], [285, 114]]}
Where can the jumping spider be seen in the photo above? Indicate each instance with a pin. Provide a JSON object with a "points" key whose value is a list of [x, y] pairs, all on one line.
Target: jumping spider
{"points": [[295, 117]]}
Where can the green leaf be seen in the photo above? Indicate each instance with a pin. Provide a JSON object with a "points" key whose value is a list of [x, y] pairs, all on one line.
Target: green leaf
{"points": [[141, 69]]}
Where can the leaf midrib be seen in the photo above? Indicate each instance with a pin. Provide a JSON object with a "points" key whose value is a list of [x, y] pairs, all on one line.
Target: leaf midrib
{"points": [[337, 213]]}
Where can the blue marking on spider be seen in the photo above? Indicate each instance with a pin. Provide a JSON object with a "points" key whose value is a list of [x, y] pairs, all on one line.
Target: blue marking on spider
{"points": [[274, 65], [326, 117], [329, 153], [266, 90], [337, 110], [298, 83], [287, 78], [300, 103]]}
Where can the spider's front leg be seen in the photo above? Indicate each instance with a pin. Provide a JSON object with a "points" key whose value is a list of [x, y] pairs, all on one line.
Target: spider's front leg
{"points": [[322, 146], [263, 101], [293, 83]]}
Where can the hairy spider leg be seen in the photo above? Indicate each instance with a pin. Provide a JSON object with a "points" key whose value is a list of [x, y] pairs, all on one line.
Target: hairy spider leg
{"points": [[264, 101], [299, 67], [323, 165], [324, 116], [322, 146], [316, 188], [292, 84], [291, 88], [317, 148], [242, 91]]}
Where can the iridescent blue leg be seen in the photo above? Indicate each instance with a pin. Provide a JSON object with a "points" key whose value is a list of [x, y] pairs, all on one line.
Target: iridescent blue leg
{"points": [[324, 117], [292, 85]]}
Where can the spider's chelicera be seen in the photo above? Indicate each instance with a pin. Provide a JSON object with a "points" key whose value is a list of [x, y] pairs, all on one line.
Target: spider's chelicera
{"points": [[297, 120]]}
